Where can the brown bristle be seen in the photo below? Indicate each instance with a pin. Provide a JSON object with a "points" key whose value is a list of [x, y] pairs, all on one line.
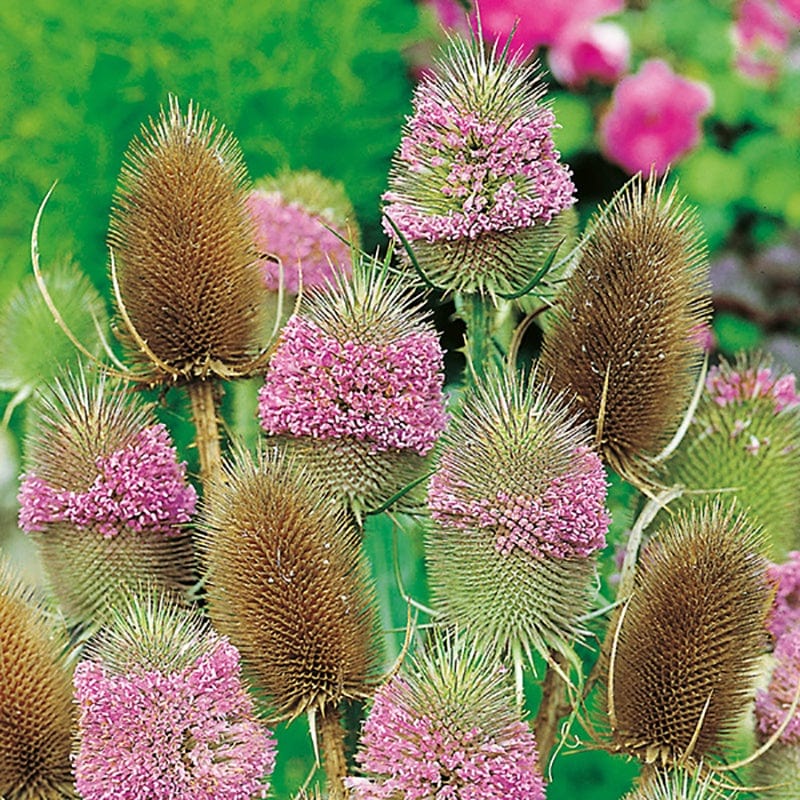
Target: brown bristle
{"points": [[183, 242], [288, 584], [36, 710], [690, 638], [623, 338]]}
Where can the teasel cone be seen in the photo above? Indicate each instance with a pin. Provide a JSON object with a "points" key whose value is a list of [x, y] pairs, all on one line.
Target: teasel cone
{"points": [[476, 187], [354, 387], [518, 513], [778, 771], [288, 584], [678, 784], [744, 443], [37, 717], [687, 643], [448, 726], [104, 498], [190, 297], [622, 338]]}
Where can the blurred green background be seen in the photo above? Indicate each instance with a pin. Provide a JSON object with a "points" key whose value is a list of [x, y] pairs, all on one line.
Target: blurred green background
{"points": [[325, 85]]}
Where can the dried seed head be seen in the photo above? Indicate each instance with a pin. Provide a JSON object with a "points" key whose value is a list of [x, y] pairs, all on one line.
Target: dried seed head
{"points": [[517, 507], [183, 240], [292, 213], [679, 784], [354, 387], [162, 692], [689, 643], [744, 441], [622, 338], [104, 497], [36, 710], [289, 585], [448, 728], [476, 184]]}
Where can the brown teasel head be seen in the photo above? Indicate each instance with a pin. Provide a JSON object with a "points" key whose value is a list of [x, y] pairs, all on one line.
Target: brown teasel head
{"points": [[687, 644], [623, 337], [181, 239], [37, 718], [288, 584]]}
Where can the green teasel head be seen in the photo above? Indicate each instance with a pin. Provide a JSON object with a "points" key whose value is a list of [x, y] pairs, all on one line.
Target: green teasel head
{"points": [[517, 509], [744, 444]]}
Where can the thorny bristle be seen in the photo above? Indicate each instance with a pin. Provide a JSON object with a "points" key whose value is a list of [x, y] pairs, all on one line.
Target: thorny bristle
{"points": [[744, 443], [778, 771], [524, 588], [288, 584], [37, 718], [183, 240], [690, 638], [622, 336], [679, 784], [93, 561]]}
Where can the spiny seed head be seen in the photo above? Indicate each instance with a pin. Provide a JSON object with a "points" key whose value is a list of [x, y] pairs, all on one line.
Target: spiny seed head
{"points": [[778, 771], [104, 497], [292, 213], [288, 584], [182, 238], [476, 184], [517, 507], [448, 728], [354, 387], [36, 711], [32, 346], [744, 442], [679, 784], [164, 712], [622, 338], [690, 638]]}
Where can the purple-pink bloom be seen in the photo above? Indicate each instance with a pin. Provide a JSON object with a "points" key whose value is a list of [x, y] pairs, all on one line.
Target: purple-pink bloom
{"points": [[654, 118], [299, 239], [418, 756], [491, 175], [761, 34], [568, 520], [600, 51], [729, 387], [774, 702], [389, 395], [141, 487], [186, 735], [786, 609]]}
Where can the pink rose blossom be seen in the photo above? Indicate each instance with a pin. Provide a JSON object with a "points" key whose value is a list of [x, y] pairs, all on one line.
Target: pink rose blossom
{"points": [[654, 118], [601, 51]]}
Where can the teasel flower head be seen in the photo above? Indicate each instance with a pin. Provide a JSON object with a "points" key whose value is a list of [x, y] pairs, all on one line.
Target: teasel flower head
{"points": [[744, 441], [517, 510], [622, 339], [775, 702], [295, 216], [786, 607], [37, 717], [679, 783], [104, 497], [476, 186], [687, 643], [183, 252], [164, 712], [288, 584], [354, 386], [448, 728]]}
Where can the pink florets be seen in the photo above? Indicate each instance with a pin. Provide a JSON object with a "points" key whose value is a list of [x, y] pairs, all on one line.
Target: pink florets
{"points": [[568, 520], [140, 487], [389, 395], [773, 704], [491, 176], [762, 35], [417, 756], [786, 609], [299, 239], [654, 118], [188, 735], [728, 387]]}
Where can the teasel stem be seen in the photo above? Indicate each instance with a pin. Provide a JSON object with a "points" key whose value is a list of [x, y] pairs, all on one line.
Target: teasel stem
{"points": [[553, 707], [490, 328], [202, 395], [332, 738]]}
